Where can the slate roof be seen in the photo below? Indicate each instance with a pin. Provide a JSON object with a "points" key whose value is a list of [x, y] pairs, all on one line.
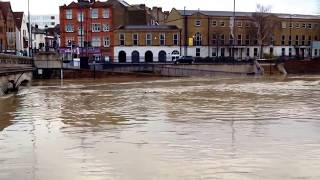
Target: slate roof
{"points": [[148, 27], [242, 14]]}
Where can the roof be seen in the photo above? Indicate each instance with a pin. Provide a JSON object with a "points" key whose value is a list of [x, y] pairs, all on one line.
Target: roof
{"points": [[86, 4], [18, 16], [245, 14], [5, 6], [148, 27]]}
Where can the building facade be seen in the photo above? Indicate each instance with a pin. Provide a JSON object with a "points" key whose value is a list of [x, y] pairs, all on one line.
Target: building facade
{"points": [[44, 20], [8, 44], [145, 43], [85, 29], [218, 34], [22, 34]]}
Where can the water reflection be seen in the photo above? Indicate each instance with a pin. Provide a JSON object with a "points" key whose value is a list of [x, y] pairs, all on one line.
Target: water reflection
{"points": [[239, 128], [8, 105]]}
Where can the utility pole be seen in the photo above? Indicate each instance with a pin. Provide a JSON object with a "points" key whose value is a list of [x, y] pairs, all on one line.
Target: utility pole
{"points": [[30, 31], [233, 30]]}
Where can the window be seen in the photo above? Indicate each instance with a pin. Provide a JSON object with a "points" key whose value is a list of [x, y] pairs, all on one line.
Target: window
{"points": [[290, 52], [247, 39], [69, 28], [69, 14], [106, 41], [80, 41], [297, 40], [309, 26], [303, 40], [283, 25], [290, 41], [222, 52], [239, 24], [290, 25], [231, 39], [175, 39], [222, 39], [198, 52], [214, 39], [121, 39], [283, 51], [135, 39], [94, 13], [297, 25], [80, 16], [106, 27], [80, 31], [96, 42], [247, 25], [271, 51], [222, 24], [248, 52], [106, 13], [197, 39], [197, 22], [214, 52], [304, 25], [214, 23], [239, 39], [316, 38], [255, 52], [95, 27], [283, 38], [316, 52], [148, 39], [309, 41], [162, 39]]}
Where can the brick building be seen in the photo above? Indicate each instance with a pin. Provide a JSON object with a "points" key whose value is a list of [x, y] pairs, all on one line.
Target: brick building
{"points": [[7, 28], [138, 43], [85, 29], [211, 34]]}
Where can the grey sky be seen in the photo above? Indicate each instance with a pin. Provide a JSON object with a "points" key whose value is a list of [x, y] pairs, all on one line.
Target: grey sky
{"points": [[281, 6]]}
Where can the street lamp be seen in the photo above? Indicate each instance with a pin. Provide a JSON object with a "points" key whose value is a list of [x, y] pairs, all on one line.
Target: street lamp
{"points": [[46, 38]]}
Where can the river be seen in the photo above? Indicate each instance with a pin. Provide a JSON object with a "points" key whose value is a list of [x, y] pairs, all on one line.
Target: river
{"points": [[163, 129]]}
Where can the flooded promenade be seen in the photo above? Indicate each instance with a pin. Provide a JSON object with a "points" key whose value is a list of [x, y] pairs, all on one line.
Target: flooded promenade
{"points": [[163, 129]]}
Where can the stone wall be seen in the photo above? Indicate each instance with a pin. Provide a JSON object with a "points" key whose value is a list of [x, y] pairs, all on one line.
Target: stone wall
{"points": [[302, 66]]}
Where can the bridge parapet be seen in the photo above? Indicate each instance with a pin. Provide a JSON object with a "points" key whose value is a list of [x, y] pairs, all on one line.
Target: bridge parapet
{"points": [[12, 60]]}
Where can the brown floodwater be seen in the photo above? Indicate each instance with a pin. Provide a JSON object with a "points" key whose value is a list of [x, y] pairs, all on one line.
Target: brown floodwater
{"points": [[162, 129]]}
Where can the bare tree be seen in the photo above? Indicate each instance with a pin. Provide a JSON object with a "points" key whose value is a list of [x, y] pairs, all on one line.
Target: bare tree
{"points": [[264, 24]]}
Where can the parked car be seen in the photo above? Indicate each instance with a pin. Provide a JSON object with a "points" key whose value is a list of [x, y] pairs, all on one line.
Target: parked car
{"points": [[185, 60]]}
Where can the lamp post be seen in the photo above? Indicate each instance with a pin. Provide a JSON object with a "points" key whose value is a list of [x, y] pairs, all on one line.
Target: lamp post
{"points": [[30, 31], [46, 39]]}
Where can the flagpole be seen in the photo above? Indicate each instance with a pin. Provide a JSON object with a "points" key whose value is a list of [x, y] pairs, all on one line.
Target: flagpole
{"points": [[30, 31]]}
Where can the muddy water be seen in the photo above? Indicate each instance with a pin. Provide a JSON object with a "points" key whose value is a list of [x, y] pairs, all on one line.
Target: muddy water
{"points": [[235, 129]]}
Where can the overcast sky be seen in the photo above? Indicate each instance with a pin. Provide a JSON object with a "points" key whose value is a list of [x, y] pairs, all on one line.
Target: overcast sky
{"points": [[281, 6]]}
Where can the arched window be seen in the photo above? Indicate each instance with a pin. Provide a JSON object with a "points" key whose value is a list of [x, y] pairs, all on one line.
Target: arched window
{"points": [[148, 56], [197, 39], [162, 56], [122, 57], [135, 56]]}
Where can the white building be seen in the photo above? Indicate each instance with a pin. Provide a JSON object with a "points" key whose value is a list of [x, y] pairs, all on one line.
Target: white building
{"points": [[22, 34], [44, 20]]}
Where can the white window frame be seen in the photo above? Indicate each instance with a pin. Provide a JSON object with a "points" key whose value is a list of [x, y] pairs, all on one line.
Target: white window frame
{"points": [[80, 41], [106, 28], [239, 23], [214, 23], [162, 39], [80, 31], [80, 16], [135, 37], [309, 26], [69, 28], [106, 13], [69, 14], [122, 39], [222, 24], [175, 38], [94, 13], [96, 27], [197, 22], [148, 39], [283, 25], [96, 41], [106, 41], [304, 25]]}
